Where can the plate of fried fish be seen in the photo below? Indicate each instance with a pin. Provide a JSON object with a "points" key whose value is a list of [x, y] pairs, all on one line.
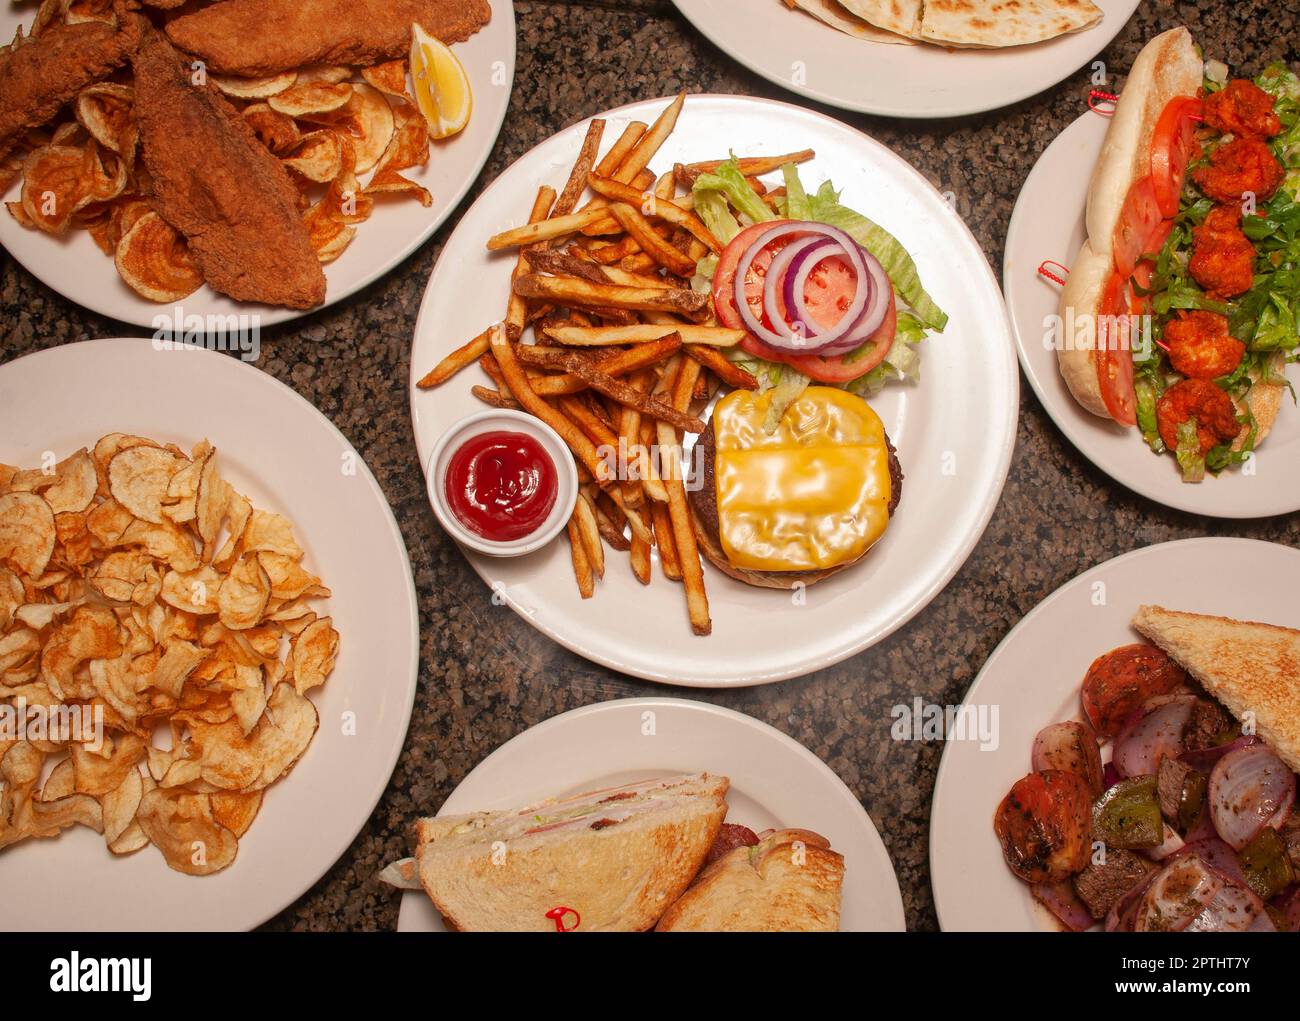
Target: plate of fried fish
{"points": [[909, 58], [174, 167]]}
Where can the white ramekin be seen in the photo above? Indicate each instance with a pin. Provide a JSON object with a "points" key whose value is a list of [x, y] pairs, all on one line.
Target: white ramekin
{"points": [[493, 420]]}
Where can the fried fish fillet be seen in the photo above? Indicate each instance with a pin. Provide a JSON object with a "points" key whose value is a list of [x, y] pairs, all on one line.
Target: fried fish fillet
{"points": [[219, 186], [41, 75], [263, 37]]}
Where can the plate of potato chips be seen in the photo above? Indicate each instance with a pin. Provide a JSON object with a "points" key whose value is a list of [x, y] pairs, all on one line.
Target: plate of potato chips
{"points": [[208, 640]]}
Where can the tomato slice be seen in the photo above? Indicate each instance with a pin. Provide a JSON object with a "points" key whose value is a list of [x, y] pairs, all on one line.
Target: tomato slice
{"points": [[724, 301], [1138, 222], [828, 294], [1172, 145], [836, 369], [1114, 359], [1044, 826], [1145, 270]]}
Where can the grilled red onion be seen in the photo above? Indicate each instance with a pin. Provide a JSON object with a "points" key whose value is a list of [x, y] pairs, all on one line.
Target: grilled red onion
{"points": [[1155, 734], [1218, 855], [1177, 895], [1061, 900], [1233, 908], [1204, 760], [1070, 746], [1250, 788], [1173, 843]]}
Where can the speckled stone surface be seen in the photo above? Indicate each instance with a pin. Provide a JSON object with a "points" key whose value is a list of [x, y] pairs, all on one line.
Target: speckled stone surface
{"points": [[485, 675]]}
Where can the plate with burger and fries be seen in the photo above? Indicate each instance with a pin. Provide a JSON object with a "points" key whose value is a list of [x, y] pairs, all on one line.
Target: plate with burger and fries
{"points": [[776, 366], [178, 168]]}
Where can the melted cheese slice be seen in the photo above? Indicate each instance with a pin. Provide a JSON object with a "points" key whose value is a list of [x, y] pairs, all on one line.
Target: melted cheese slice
{"points": [[811, 495]]}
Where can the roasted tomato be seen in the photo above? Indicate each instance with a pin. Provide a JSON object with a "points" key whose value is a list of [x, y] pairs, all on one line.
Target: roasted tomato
{"points": [[1215, 414], [1120, 681], [1223, 259], [1242, 108], [1044, 826], [1237, 167], [1200, 346]]}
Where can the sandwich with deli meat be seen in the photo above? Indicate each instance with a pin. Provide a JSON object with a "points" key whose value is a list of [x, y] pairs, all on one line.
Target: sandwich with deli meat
{"points": [[1192, 221]]}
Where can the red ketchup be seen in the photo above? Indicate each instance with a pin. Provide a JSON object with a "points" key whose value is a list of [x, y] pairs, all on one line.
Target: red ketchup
{"points": [[501, 485]]}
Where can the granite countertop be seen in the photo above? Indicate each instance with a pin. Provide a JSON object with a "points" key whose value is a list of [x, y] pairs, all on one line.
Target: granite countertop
{"points": [[485, 675]]}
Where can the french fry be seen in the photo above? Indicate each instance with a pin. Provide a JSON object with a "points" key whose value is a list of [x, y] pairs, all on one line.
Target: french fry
{"points": [[729, 372], [577, 182], [623, 145], [598, 431], [546, 230], [614, 364], [688, 553], [665, 540], [639, 158], [639, 263], [568, 290], [581, 564], [750, 166], [661, 208], [563, 264], [523, 393], [457, 360], [494, 398], [598, 336], [629, 441], [641, 559], [635, 521], [651, 243], [628, 395], [609, 531], [590, 534], [684, 387], [517, 307], [609, 254]]}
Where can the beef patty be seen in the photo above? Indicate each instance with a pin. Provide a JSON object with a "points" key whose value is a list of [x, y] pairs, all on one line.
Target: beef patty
{"points": [[704, 498]]}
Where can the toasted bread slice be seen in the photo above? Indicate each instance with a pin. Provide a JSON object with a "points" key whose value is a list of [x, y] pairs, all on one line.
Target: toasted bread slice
{"points": [[615, 859], [788, 882], [1250, 668]]}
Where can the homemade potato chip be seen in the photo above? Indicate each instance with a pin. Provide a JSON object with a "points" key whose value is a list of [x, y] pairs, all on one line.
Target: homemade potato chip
{"points": [[106, 111], [136, 582], [278, 131], [329, 237], [366, 120], [318, 156], [311, 98], [409, 148], [255, 88], [155, 262], [57, 181], [389, 78], [181, 826], [26, 533], [138, 479]]}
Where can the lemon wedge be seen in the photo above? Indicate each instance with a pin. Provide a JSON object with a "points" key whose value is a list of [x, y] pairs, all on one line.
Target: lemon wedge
{"points": [[441, 86]]}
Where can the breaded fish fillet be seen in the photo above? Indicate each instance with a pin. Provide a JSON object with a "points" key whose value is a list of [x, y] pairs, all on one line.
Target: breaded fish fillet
{"points": [[219, 186], [263, 37], [43, 74]]}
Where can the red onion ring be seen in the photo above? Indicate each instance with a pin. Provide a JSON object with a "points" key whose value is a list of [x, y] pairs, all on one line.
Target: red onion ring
{"points": [[1156, 734], [787, 262], [850, 318], [873, 316]]}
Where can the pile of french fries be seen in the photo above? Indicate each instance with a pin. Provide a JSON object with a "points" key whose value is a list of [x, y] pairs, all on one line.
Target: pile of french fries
{"points": [[623, 354]]}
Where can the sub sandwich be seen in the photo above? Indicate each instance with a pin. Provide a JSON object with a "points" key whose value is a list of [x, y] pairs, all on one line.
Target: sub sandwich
{"points": [[1179, 309]]}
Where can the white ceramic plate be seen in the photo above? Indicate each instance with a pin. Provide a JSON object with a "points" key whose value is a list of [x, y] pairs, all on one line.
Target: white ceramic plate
{"points": [[286, 457], [1033, 678], [1047, 223], [775, 783], [75, 267], [804, 55], [954, 433]]}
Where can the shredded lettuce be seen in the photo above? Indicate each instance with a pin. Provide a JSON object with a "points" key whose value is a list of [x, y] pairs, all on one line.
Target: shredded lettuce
{"points": [[728, 180], [1189, 452], [711, 207], [884, 246], [788, 389], [902, 362], [1147, 396], [796, 204]]}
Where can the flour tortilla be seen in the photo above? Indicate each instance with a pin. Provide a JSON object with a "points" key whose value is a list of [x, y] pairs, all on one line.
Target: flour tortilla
{"points": [[900, 16], [834, 14], [989, 23]]}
